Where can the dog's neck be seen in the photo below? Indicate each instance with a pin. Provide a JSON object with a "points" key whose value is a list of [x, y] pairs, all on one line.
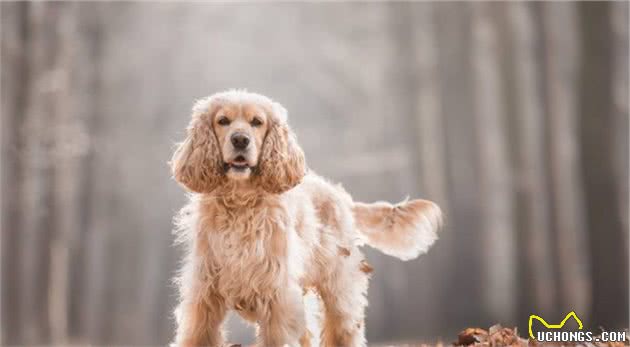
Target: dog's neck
{"points": [[236, 194]]}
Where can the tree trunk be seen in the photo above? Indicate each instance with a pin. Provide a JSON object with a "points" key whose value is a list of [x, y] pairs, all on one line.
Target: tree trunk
{"points": [[537, 283], [607, 240], [561, 66], [15, 33], [495, 185], [453, 30], [429, 120]]}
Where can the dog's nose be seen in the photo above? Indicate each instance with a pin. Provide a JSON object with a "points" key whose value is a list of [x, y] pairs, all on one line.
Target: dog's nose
{"points": [[239, 140]]}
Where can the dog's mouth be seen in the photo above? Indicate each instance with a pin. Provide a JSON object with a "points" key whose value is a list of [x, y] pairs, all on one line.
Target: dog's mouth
{"points": [[239, 163]]}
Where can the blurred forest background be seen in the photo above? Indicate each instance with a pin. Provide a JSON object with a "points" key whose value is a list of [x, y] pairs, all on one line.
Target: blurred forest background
{"points": [[512, 116]]}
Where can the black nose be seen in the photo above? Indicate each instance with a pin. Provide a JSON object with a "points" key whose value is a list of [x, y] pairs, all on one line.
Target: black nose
{"points": [[239, 140]]}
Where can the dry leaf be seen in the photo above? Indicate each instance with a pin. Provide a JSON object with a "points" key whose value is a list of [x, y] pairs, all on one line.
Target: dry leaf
{"points": [[470, 336]]}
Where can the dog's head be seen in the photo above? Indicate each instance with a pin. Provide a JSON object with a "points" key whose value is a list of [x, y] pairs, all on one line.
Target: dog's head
{"points": [[237, 135]]}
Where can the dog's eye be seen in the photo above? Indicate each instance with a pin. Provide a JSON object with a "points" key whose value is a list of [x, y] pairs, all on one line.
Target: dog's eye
{"points": [[256, 122], [224, 121]]}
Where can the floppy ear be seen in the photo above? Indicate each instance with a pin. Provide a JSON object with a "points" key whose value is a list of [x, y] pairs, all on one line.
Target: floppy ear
{"points": [[282, 164], [196, 163]]}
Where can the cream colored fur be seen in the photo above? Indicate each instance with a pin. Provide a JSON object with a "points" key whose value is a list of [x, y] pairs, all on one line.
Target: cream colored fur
{"points": [[258, 245]]}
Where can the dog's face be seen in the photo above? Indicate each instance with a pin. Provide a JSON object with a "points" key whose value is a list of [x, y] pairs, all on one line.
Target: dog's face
{"points": [[240, 131], [238, 136]]}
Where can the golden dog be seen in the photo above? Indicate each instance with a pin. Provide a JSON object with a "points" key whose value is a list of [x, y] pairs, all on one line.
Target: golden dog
{"points": [[261, 230]]}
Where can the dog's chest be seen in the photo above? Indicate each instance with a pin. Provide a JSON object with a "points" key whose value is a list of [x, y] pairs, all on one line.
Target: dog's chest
{"points": [[234, 256], [246, 260]]}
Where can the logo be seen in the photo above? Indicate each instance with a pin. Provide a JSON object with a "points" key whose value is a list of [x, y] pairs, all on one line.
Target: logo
{"points": [[571, 336], [553, 326]]}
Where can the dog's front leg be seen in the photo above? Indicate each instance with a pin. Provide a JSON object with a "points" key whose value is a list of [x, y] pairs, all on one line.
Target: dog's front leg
{"points": [[283, 323], [199, 321]]}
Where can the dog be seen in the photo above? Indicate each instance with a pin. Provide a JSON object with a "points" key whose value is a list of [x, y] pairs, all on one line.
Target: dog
{"points": [[261, 230]]}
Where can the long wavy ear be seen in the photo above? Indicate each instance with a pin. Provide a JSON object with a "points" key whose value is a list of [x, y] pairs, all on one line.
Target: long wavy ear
{"points": [[282, 164], [196, 164]]}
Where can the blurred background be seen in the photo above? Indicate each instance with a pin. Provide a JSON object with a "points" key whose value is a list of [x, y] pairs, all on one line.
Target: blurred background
{"points": [[512, 116]]}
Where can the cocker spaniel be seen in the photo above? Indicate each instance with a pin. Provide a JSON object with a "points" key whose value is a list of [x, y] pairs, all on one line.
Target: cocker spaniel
{"points": [[261, 230]]}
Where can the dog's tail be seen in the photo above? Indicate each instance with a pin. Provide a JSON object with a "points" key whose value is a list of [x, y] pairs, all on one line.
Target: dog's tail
{"points": [[404, 230]]}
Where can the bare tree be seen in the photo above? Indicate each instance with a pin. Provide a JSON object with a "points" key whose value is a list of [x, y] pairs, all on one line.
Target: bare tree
{"points": [[561, 66], [537, 282], [14, 38], [496, 193], [609, 269]]}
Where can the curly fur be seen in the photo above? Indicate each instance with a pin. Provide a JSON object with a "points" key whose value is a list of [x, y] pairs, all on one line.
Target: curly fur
{"points": [[195, 164], [257, 246], [282, 161]]}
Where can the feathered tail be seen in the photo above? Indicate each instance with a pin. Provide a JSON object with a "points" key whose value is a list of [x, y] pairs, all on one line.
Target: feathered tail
{"points": [[404, 230]]}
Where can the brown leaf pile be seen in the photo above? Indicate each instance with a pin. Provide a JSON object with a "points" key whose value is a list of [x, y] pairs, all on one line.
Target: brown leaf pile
{"points": [[494, 337], [498, 336]]}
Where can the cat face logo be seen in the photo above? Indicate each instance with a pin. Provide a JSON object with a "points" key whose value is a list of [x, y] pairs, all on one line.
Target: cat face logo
{"points": [[553, 326]]}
